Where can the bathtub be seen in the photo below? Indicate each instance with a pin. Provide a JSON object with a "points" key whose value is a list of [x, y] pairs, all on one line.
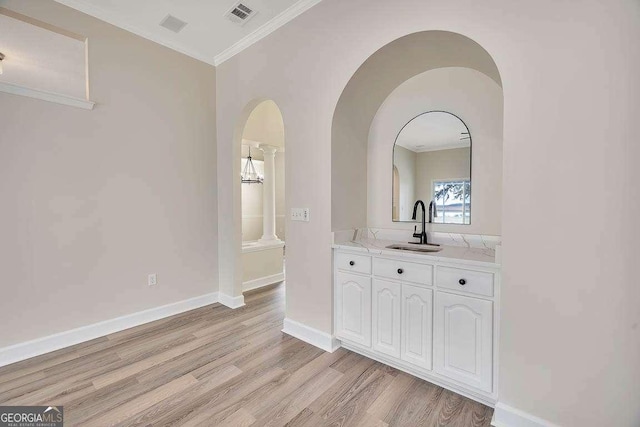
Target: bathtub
{"points": [[262, 264]]}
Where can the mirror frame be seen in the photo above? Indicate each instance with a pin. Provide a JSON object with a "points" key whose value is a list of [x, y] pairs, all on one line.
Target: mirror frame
{"points": [[393, 153]]}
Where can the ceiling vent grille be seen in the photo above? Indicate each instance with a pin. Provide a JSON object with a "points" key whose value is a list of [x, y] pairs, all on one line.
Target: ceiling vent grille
{"points": [[240, 13], [172, 23]]}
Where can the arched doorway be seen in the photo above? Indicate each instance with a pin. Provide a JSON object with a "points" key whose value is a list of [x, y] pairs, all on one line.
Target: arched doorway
{"points": [[262, 193]]}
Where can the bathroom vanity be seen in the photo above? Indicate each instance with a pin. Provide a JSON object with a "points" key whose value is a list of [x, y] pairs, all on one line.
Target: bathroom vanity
{"points": [[431, 314]]}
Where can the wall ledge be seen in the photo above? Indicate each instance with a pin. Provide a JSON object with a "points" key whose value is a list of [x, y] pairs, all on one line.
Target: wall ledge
{"points": [[46, 96], [261, 245], [315, 337], [28, 349], [507, 416]]}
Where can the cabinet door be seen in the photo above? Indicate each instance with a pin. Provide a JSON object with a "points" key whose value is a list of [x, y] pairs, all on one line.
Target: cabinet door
{"points": [[353, 304], [464, 339], [386, 317], [417, 324]]}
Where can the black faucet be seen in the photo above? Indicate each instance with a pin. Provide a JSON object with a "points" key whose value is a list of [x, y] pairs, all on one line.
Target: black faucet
{"points": [[423, 235], [432, 212]]}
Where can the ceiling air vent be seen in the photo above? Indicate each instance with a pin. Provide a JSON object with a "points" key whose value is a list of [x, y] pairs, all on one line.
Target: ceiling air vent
{"points": [[173, 24], [240, 13]]}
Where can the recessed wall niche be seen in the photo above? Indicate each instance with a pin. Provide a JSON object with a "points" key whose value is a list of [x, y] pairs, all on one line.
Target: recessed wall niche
{"points": [[43, 61]]}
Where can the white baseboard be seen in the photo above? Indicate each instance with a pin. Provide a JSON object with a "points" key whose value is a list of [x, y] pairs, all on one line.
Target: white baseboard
{"points": [[507, 416], [310, 335], [28, 349], [262, 281], [231, 302]]}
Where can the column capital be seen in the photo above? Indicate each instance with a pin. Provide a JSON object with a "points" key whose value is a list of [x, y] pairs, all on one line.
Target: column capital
{"points": [[268, 149]]}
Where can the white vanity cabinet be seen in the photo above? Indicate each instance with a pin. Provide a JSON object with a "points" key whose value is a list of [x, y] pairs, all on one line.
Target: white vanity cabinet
{"points": [[434, 318]]}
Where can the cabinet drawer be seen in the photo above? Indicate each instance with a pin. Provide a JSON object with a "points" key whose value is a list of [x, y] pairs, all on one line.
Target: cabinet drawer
{"points": [[405, 271], [354, 263], [474, 282]]}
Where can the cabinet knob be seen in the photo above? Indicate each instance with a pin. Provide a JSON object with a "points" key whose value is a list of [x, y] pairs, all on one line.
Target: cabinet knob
{"points": [[462, 282], [352, 263], [400, 271]]}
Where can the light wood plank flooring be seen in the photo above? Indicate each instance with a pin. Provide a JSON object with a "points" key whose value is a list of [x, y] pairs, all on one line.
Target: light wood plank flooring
{"points": [[219, 367]]}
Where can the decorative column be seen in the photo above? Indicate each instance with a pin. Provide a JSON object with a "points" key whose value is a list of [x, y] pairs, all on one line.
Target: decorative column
{"points": [[269, 195]]}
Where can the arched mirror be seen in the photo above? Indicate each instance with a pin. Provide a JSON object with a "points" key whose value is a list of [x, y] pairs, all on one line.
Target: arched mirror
{"points": [[432, 163]]}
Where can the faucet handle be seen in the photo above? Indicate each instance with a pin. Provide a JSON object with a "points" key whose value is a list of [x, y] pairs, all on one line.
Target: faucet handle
{"points": [[415, 231]]}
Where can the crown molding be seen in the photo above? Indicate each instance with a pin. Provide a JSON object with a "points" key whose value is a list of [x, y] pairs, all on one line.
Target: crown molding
{"points": [[442, 147], [263, 31], [118, 21]]}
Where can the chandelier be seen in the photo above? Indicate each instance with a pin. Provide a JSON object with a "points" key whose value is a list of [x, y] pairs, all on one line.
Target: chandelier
{"points": [[249, 174]]}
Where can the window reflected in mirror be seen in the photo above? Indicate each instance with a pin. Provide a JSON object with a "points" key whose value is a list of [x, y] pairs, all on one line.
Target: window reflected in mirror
{"points": [[432, 163], [453, 201]]}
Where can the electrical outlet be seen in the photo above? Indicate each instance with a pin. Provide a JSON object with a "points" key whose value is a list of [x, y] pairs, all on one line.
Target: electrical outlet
{"points": [[300, 214], [152, 279]]}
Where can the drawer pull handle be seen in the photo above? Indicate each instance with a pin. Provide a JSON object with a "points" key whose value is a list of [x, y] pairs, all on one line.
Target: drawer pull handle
{"points": [[400, 271], [462, 282], [352, 263]]}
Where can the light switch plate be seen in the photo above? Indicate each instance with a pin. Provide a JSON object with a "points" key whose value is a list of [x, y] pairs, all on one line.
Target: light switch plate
{"points": [[300, 214], [152, 280]]}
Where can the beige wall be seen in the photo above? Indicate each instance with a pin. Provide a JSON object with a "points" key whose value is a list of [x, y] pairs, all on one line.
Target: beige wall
{"points": [[570, 334], [478, 101], [93, 201]]}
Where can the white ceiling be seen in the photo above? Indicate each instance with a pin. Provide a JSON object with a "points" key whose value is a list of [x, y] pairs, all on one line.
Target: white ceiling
{"points": [[209, 36], [42, 59], [433, 131]]}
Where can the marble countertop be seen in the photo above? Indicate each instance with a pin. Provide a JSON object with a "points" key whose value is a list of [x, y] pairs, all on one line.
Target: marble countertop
{"points": [[483, 257]]}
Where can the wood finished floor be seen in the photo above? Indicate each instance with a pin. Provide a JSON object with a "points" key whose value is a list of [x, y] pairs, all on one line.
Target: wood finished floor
{"points": [[220, 367]]}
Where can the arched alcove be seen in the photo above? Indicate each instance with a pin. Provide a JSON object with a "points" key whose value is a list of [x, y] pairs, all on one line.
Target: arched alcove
{"points": [[366, 91]]}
